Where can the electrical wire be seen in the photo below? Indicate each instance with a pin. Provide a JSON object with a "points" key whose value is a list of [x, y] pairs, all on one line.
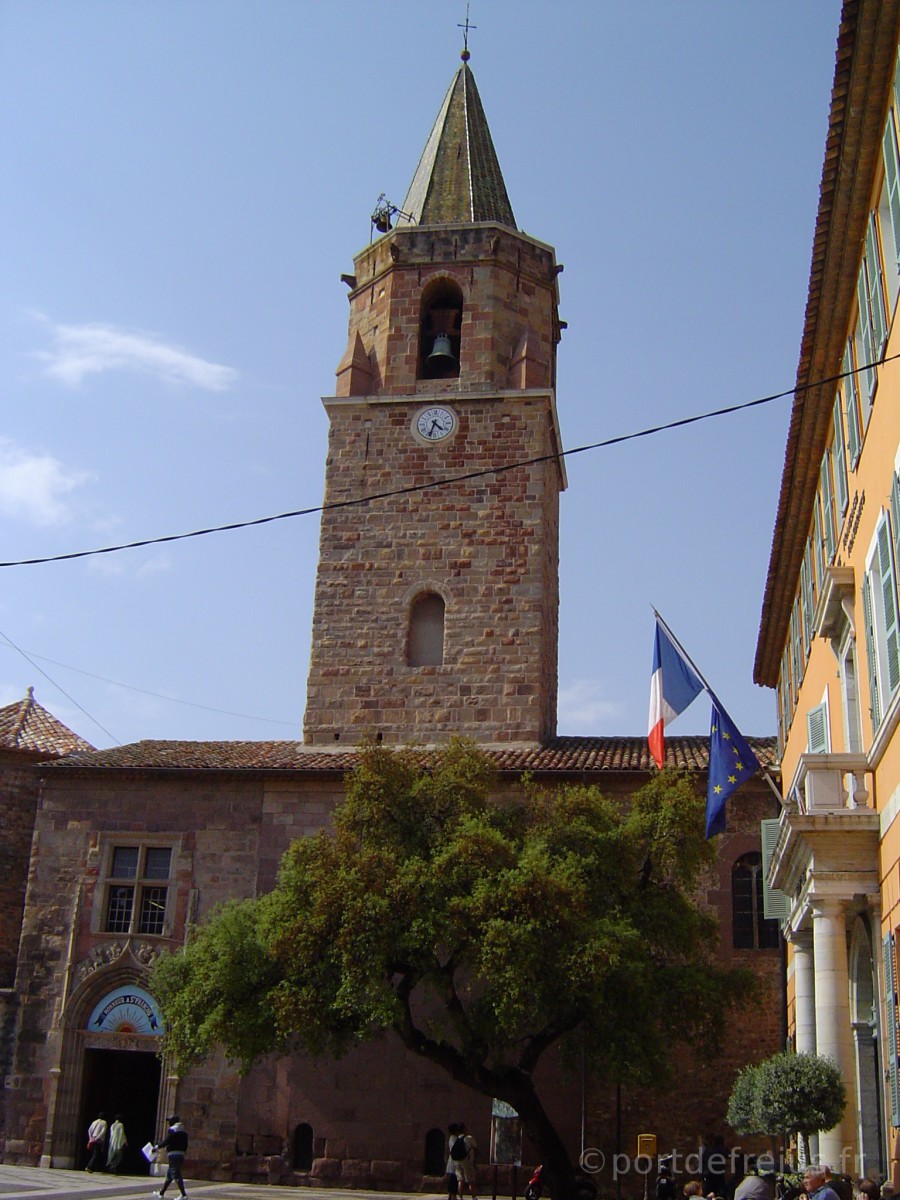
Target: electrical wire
{"points": [[438, 483], [29, 656], [49, 679]]}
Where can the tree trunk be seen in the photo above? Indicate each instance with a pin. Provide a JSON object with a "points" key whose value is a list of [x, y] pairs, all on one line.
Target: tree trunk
{"points": [[562, 1179]]}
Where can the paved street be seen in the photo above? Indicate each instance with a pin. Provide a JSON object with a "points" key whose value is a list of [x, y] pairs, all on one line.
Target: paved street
{"points": [[35, 1183]]}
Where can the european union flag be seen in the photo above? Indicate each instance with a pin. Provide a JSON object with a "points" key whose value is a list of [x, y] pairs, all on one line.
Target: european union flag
{"points": [[731, 763]]}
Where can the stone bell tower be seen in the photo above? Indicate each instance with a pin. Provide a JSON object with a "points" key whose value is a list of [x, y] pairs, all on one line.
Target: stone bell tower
{"points": [[436, 604]]}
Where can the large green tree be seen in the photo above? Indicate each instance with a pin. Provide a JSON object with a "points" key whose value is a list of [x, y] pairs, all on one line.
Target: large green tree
{"points": [[480, 930]]}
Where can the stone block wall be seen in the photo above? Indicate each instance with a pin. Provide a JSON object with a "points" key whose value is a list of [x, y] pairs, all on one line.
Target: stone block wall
{"points": [[18, 801], [509, 287], [487, 545]]}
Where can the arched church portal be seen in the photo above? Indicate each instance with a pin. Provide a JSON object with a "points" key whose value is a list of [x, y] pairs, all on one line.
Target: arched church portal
{"points": [[109, 1063]]}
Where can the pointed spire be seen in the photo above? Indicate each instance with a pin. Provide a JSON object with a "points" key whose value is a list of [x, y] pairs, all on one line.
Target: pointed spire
{"points": [[458, 179]]}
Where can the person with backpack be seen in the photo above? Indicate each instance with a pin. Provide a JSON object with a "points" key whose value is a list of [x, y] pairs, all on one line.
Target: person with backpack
{"points": [[462, 1159]]}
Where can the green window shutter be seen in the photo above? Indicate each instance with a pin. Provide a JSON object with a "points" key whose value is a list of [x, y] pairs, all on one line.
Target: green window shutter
{"points": [[806, 594], [866, 341], [828, 507], [892, 175], [796, 657], [776, 905], [871, 651], [889, 605], [875, 286], [817, 730], [840, 460], [890, 1026], [895, 515], [818, 544], [851, 406]]}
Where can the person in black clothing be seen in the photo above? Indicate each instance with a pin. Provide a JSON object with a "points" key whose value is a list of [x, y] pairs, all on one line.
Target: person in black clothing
{"points": [[175, 1146], [665, 1184]]}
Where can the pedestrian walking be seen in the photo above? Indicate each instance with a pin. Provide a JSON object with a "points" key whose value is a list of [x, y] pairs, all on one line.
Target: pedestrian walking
{"points": [[97, 1131], [462, 1156], [175, 1145], [117, 1145], [451, 1176]]}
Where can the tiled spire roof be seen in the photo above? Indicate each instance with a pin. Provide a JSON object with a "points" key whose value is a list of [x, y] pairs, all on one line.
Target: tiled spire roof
{"points": [[27, 727], [458, 179]]}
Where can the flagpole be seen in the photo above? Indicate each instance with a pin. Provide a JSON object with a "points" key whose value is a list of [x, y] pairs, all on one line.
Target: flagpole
{"points": [[686, 657], [712, 695]]}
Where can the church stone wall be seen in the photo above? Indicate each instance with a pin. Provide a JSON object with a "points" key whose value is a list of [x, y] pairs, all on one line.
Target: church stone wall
{"points": [[487, 545]]}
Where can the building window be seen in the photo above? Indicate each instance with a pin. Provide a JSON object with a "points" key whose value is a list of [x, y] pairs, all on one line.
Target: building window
{"points": [[881, 624], [426, 631], [137, 890], [749, 928]]}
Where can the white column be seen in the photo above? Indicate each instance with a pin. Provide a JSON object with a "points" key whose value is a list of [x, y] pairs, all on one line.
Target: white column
{"points": [[804, 991], [834, 1039]]}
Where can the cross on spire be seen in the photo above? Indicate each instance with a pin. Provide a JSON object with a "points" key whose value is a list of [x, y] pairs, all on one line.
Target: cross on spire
{"points": [[465, 56]]}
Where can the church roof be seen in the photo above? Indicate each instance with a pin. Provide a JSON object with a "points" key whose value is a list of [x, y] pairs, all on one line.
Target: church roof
{"points": [[27, 727], [559, 756], [458, 179]]}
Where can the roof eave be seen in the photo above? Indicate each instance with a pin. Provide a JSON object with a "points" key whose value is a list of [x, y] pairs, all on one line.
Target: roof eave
{"points": [[864, 67]]}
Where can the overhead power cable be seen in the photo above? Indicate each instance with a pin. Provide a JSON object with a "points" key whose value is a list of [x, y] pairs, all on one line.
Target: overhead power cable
{"points": [[30, 655], [49, 679], [438, 483]]}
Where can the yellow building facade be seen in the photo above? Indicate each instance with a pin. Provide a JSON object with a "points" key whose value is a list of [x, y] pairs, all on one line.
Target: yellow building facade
{"points": [[829, 641]]}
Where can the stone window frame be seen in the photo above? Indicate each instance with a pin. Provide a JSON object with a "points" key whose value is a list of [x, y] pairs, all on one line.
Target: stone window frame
{"points": [[141, 882]]}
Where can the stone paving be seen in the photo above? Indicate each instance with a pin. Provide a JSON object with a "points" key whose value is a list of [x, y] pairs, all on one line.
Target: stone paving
{"points": [[39, 1183]]}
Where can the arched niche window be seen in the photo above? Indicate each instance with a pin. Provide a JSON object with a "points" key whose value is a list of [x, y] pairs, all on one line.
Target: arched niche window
{"points": [[303, 1147], [435, 1152], [439, 331], [425, 646], [749, 928]]}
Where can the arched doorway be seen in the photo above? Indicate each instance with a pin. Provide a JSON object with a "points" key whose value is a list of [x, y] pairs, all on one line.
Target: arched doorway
{"points": [[109, 1062]]}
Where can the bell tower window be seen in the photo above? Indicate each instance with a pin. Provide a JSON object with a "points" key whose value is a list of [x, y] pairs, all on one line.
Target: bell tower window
{"points": [[425, 647], [439, 331]]}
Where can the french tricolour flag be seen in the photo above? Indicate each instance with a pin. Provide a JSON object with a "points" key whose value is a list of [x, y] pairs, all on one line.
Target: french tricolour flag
{"points": [[673, 685]]}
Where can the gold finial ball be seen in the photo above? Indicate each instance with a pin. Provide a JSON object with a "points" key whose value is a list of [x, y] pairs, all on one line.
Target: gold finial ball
{"points": [[465, 56]]}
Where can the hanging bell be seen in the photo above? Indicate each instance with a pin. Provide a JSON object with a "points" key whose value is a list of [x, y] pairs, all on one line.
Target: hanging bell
{"points": [[441, 354]]}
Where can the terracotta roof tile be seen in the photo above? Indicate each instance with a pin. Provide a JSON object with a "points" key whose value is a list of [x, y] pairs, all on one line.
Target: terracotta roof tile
{"points": [[561, 755], [27, 727]]}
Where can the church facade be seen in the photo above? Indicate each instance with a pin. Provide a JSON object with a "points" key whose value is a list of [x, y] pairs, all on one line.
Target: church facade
{"points": [[436, 613]]}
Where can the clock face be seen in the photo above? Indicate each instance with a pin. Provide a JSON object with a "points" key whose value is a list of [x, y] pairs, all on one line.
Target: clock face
{"points": [[434, 424]]}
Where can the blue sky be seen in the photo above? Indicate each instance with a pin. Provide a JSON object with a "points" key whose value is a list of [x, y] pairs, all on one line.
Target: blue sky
{"points": [[184, 182]]}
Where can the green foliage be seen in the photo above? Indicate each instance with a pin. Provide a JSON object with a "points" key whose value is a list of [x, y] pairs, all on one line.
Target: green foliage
{"points": [[482, 931], [744, 1113], [800, 1093], [219, 990]]}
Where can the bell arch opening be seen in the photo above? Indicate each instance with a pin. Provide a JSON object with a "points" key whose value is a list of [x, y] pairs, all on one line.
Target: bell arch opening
{"points": [[440, 330]]}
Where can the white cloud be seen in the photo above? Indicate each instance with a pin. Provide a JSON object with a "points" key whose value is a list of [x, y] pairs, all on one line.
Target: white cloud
{"points": [[83, 350], [32, 486], [583, 708]]}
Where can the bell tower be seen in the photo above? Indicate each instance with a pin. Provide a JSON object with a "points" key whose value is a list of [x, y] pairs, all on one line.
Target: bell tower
{"points": [[436, 603]]}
